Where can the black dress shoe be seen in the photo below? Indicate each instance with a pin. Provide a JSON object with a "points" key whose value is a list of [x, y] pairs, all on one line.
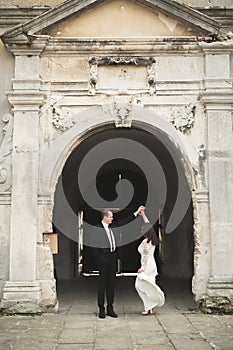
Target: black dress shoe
{"points": [[111, 313], [101, 313]]}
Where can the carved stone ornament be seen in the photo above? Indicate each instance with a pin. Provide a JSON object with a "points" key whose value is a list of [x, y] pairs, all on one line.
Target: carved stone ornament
{"points": [[121, 110], [5, 153], [201, 165], [202, 152], [61, 120], [183, 117], [94, 62]]}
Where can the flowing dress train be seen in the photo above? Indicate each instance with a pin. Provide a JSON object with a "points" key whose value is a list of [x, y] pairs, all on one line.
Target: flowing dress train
{"points": [[145, 283]]}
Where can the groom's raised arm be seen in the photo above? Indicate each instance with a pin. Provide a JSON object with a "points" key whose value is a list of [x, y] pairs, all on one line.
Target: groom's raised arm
{"points": [[125, 221]]}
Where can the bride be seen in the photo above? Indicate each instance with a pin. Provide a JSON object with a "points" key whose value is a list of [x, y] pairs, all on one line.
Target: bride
{"points": [[145, 283]]}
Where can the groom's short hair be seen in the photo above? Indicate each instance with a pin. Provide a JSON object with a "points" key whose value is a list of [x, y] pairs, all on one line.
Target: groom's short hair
{"points": [[105, 212]]}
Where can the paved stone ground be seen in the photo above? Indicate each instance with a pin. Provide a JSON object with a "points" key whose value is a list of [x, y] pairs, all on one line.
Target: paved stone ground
{"points": [[177, 325]]}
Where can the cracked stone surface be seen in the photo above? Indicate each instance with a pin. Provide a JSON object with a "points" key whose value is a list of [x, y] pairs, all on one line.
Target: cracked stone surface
{"points": [[77, 325]]}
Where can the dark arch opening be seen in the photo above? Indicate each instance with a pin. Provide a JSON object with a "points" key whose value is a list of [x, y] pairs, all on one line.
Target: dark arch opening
{"points": [[175, 254]]}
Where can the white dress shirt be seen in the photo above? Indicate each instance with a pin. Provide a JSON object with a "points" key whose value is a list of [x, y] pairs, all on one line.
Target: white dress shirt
{"points": [[111, 237]]}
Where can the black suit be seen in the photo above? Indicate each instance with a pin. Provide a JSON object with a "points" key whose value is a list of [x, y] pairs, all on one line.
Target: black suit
{"points": [[106, 261]]}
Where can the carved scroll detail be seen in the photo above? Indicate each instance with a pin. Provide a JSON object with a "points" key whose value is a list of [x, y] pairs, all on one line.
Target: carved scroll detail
{"points": [[5, 153], [107, 61]]}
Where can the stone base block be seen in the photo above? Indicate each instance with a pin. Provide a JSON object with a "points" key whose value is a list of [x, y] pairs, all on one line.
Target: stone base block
{"points": [[219, 298], [20, 307], [23, 297], [218, 285], [217, 305], [22, 291]]}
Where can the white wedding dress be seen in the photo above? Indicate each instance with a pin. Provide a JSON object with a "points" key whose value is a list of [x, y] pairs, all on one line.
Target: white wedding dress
{"points": [[145, 283]]}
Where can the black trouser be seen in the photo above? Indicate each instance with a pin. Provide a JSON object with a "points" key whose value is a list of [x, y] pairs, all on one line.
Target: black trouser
{"points": [[106, 282]]}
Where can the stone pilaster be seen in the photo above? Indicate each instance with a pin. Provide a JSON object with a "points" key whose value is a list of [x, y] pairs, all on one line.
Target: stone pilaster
{"points": [[217, 99], [22, 292], [22, 286], [202, 238], [218, 107]]}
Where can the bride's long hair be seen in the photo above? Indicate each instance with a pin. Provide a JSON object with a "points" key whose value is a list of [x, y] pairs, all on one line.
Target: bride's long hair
{"points": [[149, 233]]}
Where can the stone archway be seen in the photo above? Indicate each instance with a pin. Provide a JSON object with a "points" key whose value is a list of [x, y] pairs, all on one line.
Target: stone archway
{"points": [[89, 122]]}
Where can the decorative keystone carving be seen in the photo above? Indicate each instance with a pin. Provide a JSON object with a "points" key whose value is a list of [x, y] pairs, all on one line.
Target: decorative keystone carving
{"points": [[122, 114], [183, 117], [5, 153], [94, 62], [62, 120], [121, 110]]}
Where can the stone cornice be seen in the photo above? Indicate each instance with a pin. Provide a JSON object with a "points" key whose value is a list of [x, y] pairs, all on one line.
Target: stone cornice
{"points": [[31, 45], [122, 46], [217, 47], [186, 13], [217, 100], [171, 8], [46, 45], [26, 100], [224, 16], [11, 16]]}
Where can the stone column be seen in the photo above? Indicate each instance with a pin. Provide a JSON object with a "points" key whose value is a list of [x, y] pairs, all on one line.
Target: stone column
{"points": [[22, 292], [202, 253], [218, 104]]}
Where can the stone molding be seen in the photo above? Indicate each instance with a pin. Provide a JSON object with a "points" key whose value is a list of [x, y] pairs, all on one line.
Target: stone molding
{"points": [[25, 46], [128, 46], [27, 290], [44, 200], [94, 62], [13, 15], [26, 84], [217, 47], [202, 196], [217, 100], [220, 282], [26, 101], [5, 198]]}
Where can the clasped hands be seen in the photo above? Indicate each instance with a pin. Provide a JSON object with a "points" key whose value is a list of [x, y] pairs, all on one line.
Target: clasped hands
{"points": [[140, 211]]}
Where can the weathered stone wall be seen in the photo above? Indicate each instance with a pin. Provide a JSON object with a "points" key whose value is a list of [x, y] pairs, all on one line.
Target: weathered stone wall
{"points": [[64, 87]]}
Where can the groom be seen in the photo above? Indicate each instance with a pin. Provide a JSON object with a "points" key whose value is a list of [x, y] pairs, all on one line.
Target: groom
{"points": [[105, 253]]}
